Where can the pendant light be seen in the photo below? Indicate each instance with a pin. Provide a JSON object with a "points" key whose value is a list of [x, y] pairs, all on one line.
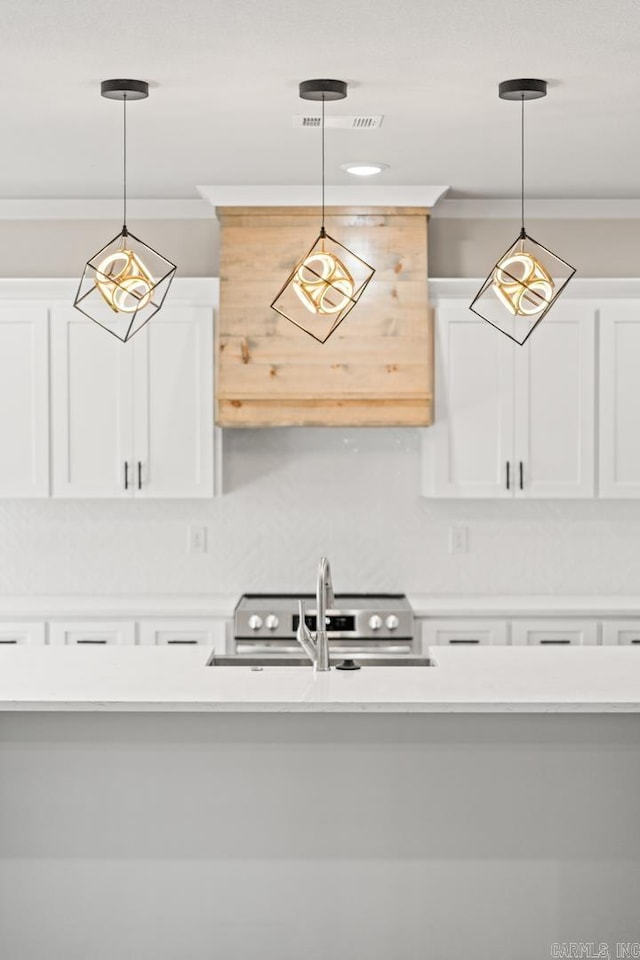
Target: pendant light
{"points": [[327, 282], [125, 283], [528, 278]]}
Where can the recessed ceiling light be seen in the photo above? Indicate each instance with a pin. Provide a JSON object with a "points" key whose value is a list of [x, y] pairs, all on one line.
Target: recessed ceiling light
{"points": [[364, 169]]}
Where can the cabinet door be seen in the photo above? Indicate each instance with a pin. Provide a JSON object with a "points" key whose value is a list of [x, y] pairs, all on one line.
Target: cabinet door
{"points": [[621, 633], [92, 419], [92, 632], [554, 405], [175, 633], [22, 633], [24, 401], [562, 633], [468, 452], [619, 437], [173, 403], [464, 633]]}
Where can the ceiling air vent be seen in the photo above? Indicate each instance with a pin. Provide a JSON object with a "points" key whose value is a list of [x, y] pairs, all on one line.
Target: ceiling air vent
{"points": [[361, 122]]}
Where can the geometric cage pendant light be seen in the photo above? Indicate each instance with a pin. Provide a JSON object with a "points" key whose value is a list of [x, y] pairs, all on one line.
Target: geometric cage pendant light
{"points": [[528, 278], [125, 283], [329, 279]]}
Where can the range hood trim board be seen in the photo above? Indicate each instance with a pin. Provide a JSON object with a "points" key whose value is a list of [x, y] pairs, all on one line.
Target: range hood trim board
{"points": [[377, 371]]}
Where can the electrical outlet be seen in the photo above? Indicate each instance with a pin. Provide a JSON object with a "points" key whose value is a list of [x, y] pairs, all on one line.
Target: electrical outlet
{"points": [[197, 540], [458, 538]]}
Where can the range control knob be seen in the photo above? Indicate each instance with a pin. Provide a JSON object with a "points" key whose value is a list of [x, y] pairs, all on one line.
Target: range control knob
{"points": [[255, 622], [375, 622], [272, 622], [392, 622]]}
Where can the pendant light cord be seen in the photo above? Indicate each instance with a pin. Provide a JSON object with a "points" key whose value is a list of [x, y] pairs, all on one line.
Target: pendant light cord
{"points": [[522, 230], [124, 165], [322, 126]]}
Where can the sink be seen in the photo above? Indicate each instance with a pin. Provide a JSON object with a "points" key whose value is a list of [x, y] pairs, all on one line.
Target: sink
{"points": [[275, 660]]}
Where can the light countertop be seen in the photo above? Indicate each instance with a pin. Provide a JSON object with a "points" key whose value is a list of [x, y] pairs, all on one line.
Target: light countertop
{"points": [[480, 680]]}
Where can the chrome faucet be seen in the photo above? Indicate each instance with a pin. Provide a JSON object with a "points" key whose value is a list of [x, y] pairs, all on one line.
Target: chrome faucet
{"points": [[317, 648]]}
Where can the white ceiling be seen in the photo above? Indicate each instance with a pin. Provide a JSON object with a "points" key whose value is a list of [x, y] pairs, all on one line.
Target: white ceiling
{"points": [[225, 77]]}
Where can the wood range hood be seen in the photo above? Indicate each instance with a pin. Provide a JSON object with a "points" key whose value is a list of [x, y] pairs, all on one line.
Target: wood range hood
{"points": [[375, 370]]}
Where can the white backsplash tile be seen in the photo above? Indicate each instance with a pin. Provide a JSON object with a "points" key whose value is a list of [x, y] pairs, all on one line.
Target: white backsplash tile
{"points": [[292, 494]]}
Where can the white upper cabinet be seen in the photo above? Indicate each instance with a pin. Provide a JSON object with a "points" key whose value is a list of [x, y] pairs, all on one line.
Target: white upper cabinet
{"points": [[468, 452], [555, 405], [91, 397], [173, 404], [619, 447], [24, 400], [133, 419], [510, 420]]}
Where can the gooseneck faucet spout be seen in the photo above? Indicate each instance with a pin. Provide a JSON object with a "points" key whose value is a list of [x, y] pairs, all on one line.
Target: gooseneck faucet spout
{"points": [[324, 599], [317, 649]]}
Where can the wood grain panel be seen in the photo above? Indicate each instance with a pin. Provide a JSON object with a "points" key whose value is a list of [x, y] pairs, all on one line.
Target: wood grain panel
{"points": [[376, 369], [277, 350], [294, 412]]}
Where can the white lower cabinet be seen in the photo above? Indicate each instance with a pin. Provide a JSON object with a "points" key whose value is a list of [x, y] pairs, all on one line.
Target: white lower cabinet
{"points": [[94, 632], [207, 633], [545, 632], [34, 632], [621, 633], [161, 631], [542, 631], [464, 633], [211, 632]]}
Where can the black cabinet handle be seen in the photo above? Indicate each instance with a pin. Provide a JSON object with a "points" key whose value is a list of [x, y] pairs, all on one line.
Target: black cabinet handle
{"points": [[139, 475], [508, 475], [15, 641], [178, 642], [521, 475], [126, 474], [87, 640], [464, 641], [558, 641]]}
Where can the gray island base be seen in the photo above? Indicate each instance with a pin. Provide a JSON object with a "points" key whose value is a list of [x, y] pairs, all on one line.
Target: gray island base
{"points": [[316, 836]]}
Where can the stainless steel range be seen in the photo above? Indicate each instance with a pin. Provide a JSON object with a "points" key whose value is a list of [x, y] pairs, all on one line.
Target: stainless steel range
{"points": [[356, 623]]}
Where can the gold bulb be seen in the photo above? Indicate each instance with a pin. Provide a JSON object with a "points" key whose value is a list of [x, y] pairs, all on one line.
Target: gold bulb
{"points": [[124, 282], [522, 284], [323, 283]]}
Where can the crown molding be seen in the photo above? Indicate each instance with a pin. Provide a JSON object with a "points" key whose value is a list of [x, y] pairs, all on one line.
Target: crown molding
{"points": [[197, 209], [308, 195], [368, 195], [538, 210]]}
